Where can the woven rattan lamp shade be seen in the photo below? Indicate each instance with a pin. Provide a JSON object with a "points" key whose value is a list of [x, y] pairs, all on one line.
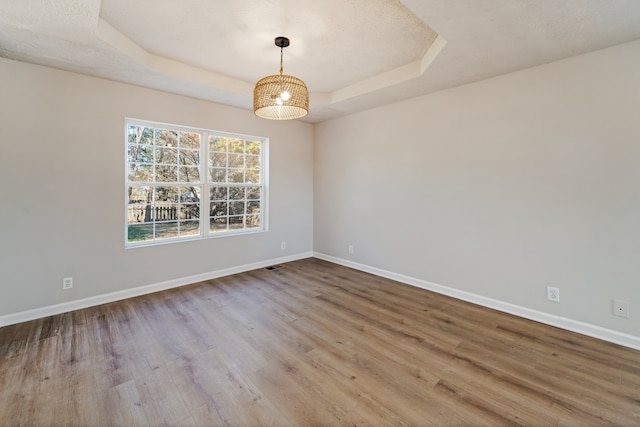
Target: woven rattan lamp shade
{"points": [[280, 97]]}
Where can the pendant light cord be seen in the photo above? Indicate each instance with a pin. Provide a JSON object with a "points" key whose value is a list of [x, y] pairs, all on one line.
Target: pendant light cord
{"points": [[280, 60]]}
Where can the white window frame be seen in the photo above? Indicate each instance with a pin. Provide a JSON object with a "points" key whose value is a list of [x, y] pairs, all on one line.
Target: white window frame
{"points": [[204, 184]]}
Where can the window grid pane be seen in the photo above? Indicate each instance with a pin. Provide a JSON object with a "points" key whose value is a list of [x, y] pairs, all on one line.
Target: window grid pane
{"points": [[162, 212]]}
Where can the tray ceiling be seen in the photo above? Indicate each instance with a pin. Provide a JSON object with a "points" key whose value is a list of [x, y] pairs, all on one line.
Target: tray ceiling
{"points": [[353, 55]]}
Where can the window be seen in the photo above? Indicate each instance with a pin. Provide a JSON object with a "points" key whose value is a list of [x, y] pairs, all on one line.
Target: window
{"points": [[170, 190]]}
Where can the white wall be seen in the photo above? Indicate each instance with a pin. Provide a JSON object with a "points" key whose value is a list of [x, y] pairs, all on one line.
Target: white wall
{"points": [[62, 188], [498, 188]]}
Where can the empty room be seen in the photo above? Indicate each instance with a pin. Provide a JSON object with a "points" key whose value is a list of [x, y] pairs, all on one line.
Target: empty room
{"points": [[319, 213]]}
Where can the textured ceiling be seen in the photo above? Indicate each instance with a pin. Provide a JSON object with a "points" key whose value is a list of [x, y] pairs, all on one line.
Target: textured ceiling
{"points": [[353, 54]]}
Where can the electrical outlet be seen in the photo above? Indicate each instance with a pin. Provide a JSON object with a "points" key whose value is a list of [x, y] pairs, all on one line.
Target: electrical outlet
{"points": [[553, 294], [283, 245], [621, 308], [350, 249], [67, 283]]}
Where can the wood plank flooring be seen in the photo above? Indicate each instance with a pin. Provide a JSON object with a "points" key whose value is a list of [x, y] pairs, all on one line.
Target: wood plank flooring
{"points": [[310, 343]]}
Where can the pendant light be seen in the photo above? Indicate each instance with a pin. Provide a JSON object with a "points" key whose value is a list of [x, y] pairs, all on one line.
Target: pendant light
{"points": [[280, 97]]}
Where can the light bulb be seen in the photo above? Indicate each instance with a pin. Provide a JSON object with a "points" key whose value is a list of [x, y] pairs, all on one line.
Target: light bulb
{"points": [[285, 95], [279, 101]]}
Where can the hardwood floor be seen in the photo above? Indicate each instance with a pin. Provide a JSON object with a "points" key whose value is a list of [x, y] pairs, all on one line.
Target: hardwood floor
{"points": [[311, 343]]}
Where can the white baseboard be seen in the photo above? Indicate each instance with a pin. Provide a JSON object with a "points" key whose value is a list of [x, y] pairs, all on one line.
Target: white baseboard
{"points": [[37, 313], [527, 313], [588, 329]]}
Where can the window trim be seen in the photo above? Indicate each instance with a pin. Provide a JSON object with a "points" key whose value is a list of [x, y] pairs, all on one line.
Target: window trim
{"points": [[204, 184]]}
